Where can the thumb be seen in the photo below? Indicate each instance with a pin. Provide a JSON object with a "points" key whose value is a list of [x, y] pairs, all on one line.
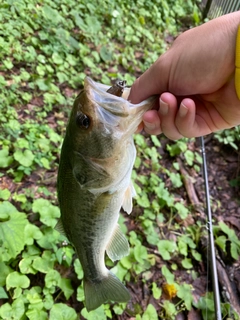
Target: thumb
{"points": [[151, 82]]}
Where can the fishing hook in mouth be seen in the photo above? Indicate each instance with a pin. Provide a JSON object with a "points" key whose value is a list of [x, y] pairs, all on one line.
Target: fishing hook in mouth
{"points": [[118, 88]]}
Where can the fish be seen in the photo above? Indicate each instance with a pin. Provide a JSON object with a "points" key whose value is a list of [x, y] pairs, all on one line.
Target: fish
{"points": [[94, 183]]}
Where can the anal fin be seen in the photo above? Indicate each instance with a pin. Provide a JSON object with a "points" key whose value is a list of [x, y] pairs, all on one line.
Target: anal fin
{"points": [[118, 246]]}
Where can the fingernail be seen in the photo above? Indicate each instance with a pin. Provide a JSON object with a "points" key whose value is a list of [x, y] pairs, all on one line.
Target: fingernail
{"points": [[149, 125], [183, 110], [163, 108]]}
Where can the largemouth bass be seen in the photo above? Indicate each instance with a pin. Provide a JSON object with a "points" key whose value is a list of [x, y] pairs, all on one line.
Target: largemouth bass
{"points": [[94, 182]]}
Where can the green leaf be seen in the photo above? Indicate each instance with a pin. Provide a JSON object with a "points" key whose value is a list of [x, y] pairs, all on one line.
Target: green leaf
{"points": [[25, 158], [48, 212], [5, 270], [182, 210], [170, 309], [168, 275], [12, 225], [78, 269], [185, 293], [66, 287], [57, 58], [25, 266], [35, 314], [17, 280], [176, 179], [14, 311], [3, 294], [61, 311], [187, 263], [105, 54], [80, 294], [140, 253], [52, 279], [32, 232], [165, 247], [5, 194], [235, 250], [45, 263], [51, 14], [97, 314], [150, 313], [156, 291], [5, 159], [189, 156], [156, 141]]}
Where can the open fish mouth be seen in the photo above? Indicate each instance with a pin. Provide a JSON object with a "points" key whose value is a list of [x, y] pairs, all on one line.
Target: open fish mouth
{"points": [[112, 109], [98, 92]]}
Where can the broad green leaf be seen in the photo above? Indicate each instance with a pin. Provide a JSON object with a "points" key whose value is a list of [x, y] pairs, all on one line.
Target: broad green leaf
{"points": [[140, 253], [14, 311], [78, 269], [5, 159], [32, 232], [187, 263], [25, 266], [97, 314], [65, 285], [235, 250], [12, 225], [52, 278], [5, 271], [35, 314], [61, 311], [105, 53], [3, 294], [189, 156], [80, 294], [51, 14], [168, 275], [17, 280], [182, 210], [185, 293], [5, 194], [150, 313], [48, 212], [165, 247], [45, 263], [25, 158], [170, 309], [156, 291], [49, 239]]}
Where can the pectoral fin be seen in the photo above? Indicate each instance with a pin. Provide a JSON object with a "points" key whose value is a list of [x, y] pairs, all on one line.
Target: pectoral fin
{"points": [[118, 246], [59, 227], [127, 200]]}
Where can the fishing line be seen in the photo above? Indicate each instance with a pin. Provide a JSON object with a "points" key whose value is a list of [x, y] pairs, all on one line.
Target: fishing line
{"points": [[218, 314]]}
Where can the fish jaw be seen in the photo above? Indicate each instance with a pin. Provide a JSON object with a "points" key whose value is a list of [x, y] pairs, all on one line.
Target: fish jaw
{"points": [[116, 111]]}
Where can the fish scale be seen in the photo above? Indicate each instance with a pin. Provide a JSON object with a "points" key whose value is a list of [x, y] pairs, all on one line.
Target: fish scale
{"points": [[94, 182]]}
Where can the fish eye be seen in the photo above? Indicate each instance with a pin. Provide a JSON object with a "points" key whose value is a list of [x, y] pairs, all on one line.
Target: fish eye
{"points": [[83, 121]]}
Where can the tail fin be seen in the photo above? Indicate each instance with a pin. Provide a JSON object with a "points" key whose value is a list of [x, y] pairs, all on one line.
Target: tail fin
{"points": [[110, 288]]}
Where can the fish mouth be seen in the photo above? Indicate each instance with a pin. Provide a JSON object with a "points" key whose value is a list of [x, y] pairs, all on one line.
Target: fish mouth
{"points": [[114, 111], [97, 92]]}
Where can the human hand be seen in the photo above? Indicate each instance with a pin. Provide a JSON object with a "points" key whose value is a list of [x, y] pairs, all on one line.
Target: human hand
{"points": [[195, 81]]}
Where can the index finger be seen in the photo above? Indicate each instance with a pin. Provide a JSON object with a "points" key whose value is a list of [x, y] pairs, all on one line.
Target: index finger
{"points": [[151, 82]]}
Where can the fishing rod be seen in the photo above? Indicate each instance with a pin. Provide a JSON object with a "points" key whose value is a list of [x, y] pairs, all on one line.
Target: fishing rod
{"points": [[217, 304]]}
